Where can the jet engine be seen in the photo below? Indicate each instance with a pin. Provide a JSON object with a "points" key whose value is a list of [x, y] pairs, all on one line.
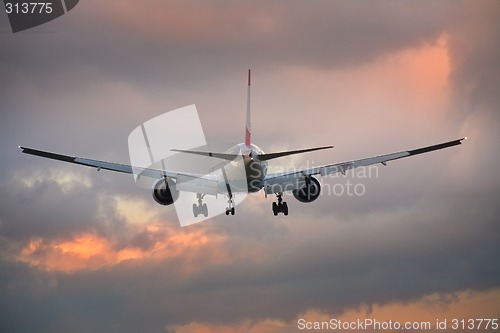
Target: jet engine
{"points": [[309, 191], [164, 192]]}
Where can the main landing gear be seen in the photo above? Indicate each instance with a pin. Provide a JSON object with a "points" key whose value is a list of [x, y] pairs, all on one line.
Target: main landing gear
{"points": [[200, 208], [280, 206]]}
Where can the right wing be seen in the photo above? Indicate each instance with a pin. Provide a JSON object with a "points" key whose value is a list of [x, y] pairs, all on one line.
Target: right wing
{"points": [[288, 181], [195, 183]]}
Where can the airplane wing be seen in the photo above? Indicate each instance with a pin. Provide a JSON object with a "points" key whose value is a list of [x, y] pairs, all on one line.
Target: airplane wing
{"points": [[288, 181], [203, 184]]}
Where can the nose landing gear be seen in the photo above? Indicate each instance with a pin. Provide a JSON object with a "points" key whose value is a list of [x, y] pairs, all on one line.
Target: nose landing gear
{"points": [[200, 208], [230, 206]]}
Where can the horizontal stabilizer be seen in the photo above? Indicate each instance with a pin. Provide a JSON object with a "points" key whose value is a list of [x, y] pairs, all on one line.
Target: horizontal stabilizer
{"points": [[261, 157], [270, 156], [223, 156]]}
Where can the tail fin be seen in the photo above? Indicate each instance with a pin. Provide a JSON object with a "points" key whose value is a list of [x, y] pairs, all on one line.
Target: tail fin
{"points": [[248, 128]]}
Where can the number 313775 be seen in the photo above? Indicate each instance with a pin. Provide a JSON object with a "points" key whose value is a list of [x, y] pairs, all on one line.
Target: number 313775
{"points": [[474, 324], [28, 8]]}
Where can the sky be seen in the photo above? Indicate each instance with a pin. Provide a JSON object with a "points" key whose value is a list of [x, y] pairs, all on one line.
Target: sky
{"points": [[417, 240]]}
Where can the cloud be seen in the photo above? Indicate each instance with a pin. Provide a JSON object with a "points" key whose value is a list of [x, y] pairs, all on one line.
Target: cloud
{"points": [[180, 271], [92, 252], [428, 309], [84, 251], [67, 181]]}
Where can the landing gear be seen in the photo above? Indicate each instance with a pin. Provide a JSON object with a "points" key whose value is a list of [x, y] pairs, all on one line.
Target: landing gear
{"points": [[230, 206], [230, 202], [280, 206], [200, 208]]}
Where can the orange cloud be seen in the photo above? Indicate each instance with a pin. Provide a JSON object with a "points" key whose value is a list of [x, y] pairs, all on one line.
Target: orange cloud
{"points": [[462, 305], [90, 251], [264, 326], [428, 309], [409, 86]]}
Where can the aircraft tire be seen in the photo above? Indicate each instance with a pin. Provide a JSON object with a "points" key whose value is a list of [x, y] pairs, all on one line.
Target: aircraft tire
{"points": [[195, 210], [275, 209]]}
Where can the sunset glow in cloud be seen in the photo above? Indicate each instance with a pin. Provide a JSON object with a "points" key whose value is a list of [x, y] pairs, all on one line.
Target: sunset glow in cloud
{"points": [[427, 310], [90, 251]]}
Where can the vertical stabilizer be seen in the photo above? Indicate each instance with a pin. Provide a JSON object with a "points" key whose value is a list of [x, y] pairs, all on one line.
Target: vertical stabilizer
{"points": [[248, 128]]}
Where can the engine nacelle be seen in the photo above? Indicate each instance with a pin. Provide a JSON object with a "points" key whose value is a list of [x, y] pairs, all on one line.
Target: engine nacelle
{"points": [[164, 192], [308, 192]]}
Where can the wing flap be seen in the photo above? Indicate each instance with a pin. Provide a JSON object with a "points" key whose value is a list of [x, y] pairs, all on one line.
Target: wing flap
{"points": [[283, 184], [197, 184]]}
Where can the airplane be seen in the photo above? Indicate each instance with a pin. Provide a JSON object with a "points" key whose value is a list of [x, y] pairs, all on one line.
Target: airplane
{"points": [[303, 184]]}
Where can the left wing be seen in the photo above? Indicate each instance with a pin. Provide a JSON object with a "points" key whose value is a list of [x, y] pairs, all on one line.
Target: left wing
{"points": [[153, 173], [204, 184], [282, 182]]}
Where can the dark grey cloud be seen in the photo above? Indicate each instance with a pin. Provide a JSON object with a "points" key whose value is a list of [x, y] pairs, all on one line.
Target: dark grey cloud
{"points": [[325, 34], [385, 260], [80, 84]]}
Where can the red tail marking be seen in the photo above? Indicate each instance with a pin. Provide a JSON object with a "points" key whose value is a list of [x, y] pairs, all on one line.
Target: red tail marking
{"points": [[247, 137]]}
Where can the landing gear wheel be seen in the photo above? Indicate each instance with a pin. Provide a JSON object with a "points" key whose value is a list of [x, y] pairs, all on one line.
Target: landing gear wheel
{"points": [[230, 206], [280, 206], [204, 210], [195, 210]]}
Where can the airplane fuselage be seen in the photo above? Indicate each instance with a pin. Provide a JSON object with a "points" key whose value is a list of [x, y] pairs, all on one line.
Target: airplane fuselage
{"points": [[255, 170]]}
